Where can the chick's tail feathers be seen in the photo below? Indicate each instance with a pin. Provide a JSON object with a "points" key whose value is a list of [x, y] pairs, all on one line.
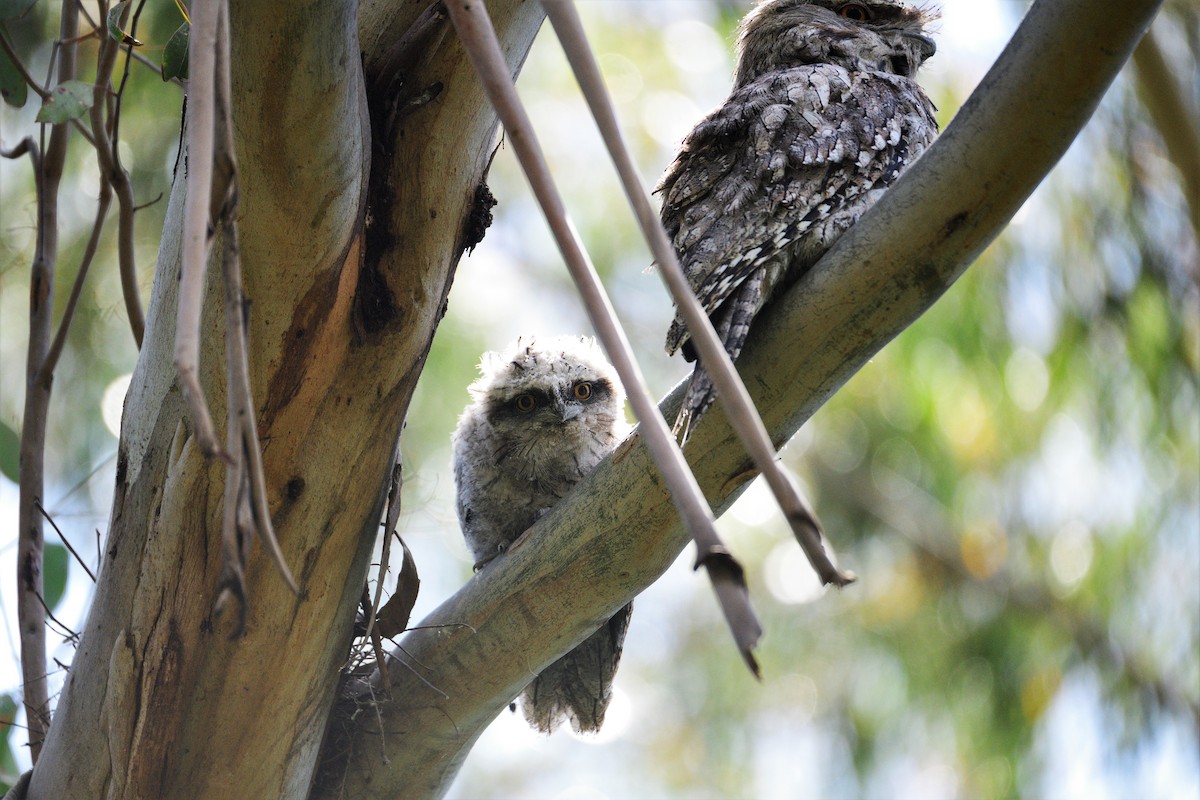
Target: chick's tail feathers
{"points": [[578, 687]]}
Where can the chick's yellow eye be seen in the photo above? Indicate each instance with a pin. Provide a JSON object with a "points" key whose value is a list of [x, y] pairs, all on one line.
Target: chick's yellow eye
{"points": [[582, 390], [525, 403], [855, 11]]}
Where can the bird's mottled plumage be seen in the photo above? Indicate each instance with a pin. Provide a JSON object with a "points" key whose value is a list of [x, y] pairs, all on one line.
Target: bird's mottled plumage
{"points": [[824, 115], [545, 412]]}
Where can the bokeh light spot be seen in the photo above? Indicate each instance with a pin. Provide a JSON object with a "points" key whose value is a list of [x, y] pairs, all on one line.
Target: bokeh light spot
{"points": [[984, 549], [1071, 554], [790, 578], [112, 403], [1026, 379]]}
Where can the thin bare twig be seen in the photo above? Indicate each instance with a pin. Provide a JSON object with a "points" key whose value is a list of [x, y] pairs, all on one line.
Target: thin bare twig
{"points": [[11, 52], [85, 263], [389, 526], [376, 641], [66, 543], [65, 630], [31, 613], [126, 207], [26, 146], [474, 28], [30, 543], [116, 119], [81, 7], [104, 132], [743, 416]]}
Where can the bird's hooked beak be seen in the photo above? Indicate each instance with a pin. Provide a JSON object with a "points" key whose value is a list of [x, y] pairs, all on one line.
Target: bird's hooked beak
{"points": [[569, 411], [905, 61], [926, 46]]}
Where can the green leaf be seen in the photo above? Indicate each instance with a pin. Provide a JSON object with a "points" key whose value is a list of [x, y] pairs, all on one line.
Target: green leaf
{"points": [[69, 100], [8, 764], [54, 575], [114, 24], [175, 54], [8, 710], [10, 453], [12, 84], [14, 9]]}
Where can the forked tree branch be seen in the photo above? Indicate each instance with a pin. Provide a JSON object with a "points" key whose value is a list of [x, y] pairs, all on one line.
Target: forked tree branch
{"points": [[616, 533], [31, 610], [106, 120]]}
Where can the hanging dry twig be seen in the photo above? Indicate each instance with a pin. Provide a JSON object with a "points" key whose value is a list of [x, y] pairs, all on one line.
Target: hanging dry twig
{"points": [[475, 29], [392, 617], [245, 510], [743, 417], [391, 515]]}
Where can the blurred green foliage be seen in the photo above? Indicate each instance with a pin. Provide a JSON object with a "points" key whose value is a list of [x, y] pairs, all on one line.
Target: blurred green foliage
{"points": [[1015, 479], [8, 764]]}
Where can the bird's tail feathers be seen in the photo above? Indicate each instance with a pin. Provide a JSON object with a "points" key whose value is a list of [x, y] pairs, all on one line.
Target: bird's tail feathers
{"points": [[696, 400], [732, 324], [578, 686]]}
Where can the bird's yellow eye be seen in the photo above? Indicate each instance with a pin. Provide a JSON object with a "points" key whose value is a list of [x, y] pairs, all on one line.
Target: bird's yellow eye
{"points": [[855, 11], [582, 390], [525, 403]]}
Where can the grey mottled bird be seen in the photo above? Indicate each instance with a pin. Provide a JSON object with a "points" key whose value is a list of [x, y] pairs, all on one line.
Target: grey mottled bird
{"points": [[545, 412], [824, 115]]}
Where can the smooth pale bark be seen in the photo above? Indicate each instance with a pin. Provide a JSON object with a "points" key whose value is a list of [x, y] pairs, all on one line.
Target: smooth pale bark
{"points": [[617, 532], [159, 702]]}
